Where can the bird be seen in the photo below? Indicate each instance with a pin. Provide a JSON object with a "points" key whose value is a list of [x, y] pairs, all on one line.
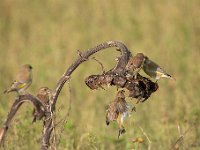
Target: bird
{"points": [[44, 95], [117, 111], [22, 81], [154, 70], [135, 64]]}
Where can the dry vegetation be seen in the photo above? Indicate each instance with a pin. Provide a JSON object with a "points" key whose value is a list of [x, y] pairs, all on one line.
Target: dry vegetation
{"points": [[47, 34]]}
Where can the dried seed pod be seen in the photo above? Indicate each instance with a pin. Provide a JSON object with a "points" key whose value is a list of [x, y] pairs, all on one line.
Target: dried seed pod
{"points": [[98, 81], [140, 88], [143, 88]]}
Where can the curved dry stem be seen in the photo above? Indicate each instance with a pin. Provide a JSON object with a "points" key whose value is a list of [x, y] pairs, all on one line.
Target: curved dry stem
{"points": [[122, 61], [83, 56], [15, 107], [48, 126]]}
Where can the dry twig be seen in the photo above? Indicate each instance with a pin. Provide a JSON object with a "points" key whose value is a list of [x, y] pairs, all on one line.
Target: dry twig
{"points": [[140, 89], [144, 133], [180, 139]]}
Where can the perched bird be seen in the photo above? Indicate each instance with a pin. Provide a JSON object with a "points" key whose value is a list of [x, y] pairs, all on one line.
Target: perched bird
{"points": [[154, 70], [117, 111], [135, 64], [23, 80], [44, 95]]}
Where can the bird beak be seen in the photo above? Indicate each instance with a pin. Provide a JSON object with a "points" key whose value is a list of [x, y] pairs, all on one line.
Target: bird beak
{"points": [[170, 77]]}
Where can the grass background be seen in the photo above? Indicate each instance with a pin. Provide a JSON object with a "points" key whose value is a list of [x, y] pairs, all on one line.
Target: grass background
{"points": [[47, 35]]}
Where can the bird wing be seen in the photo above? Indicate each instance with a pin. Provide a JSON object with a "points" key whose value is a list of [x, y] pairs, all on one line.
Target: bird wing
{"points": [[23, 76], [112, 112], [122, 106], [18, 85], [138, 62], [160, 70], [15, 86]]}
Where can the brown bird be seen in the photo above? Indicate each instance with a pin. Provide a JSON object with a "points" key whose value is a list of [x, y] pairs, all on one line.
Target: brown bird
{"points": [[23, 80], [44, 95], [154, 70], [117, 111], [135, 64]]}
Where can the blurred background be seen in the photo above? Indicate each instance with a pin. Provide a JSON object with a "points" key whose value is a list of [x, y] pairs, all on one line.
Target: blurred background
{"points": [[47, 35]]}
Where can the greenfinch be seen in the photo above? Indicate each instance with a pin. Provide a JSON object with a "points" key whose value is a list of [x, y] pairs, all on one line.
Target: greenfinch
{"points": [[22, 81], [154, 70]]}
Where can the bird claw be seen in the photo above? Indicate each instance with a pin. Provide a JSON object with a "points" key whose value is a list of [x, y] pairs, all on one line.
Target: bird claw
{"points": [[138, 101], [121, 131], [133, 109]]}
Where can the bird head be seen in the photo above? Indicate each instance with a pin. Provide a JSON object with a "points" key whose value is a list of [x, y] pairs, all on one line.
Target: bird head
{"points": [[44, 93], [27, 66], [44, 90], [135, 61]]}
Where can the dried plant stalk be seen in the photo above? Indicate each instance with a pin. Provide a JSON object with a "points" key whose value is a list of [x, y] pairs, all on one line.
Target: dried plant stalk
{"points": [[140, 88]]}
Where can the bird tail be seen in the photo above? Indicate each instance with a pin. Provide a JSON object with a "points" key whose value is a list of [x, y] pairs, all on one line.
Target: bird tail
{"points": [[34, 119], [121, 131], [168, 76], [107, 120]]}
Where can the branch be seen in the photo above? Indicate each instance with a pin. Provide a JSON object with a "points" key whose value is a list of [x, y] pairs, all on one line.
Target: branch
{"points": [[180, 139], [16, 105], [144, 133], [122, 61], [102, 68], [140, 88], [83, 56]]}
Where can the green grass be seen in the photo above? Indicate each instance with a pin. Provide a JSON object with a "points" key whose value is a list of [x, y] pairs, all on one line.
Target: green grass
{"points": [[47, 34]]}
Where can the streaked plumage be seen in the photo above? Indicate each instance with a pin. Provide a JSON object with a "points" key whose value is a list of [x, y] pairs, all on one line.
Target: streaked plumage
{"points": [[154, 70], [117, 111], [44, 95], [135, 64], [23, 80]]}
